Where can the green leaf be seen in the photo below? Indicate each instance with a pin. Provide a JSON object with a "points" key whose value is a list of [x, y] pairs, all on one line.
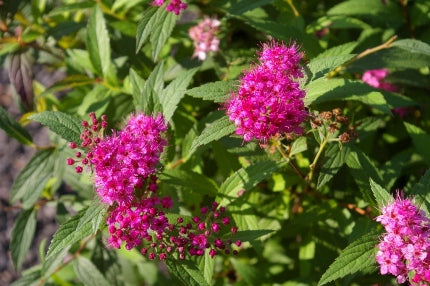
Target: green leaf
{"points": [[207, 265], [322, 90], [335, 160], [243, 6], [29, 279], [382, 196], [88, 273], [187, 272], [420, 139], [245, 179], [319, 67], [51, 264], [70, 8], [250, 235], [93, 215], [215, 91], [68, 234], [191, 180], [69, 82], [393, 167], [65, 125], [174, 92], [98, 42], [362, 169], [421, 191], [32, 179], [214, 131], [22, 236], [13, 128], [148, 99], [355, 257], [143, 30], [248, 274], [299, 145]]}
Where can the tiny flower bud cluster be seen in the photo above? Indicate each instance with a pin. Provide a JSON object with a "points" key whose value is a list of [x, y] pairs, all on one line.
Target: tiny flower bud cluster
{"points": [[204, 37], [269, 101], [174, 6], [404, 248], [333, 121]]}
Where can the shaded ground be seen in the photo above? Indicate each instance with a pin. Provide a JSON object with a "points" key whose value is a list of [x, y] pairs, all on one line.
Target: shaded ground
{"points": [[13, 157]]}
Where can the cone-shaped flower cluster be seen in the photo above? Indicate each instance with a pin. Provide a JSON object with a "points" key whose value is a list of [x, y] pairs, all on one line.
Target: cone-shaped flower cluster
{"points": [[204, 37], [174, 6], [404, 250], [269, 101], [125, 166]]}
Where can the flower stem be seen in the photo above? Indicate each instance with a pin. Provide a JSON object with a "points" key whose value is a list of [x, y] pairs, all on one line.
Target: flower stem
{"points": [[290, 2], [321, 148]]}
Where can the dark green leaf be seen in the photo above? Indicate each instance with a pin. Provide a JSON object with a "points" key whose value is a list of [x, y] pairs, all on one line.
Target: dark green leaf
{"points": [[187, 272], [22, 236], [381, 195], [421, 191], [174, 92], [420, 139], [143, 30], [32, 179], [13, 128], [250, 235], [215, 91], [88, 273], [393, 167], [319, 67], [98, 42], [193, 181], [245, 179], [67, 234], [65, 125], [335, 160], [355, 257], [214, 131], [243, 6], [322, 90]]}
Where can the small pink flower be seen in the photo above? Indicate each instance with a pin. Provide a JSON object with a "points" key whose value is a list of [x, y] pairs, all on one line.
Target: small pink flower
{"points": [[204, 37]]}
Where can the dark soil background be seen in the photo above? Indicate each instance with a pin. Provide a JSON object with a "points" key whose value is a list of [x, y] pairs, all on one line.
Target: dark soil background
{"points": [[13, 157]]}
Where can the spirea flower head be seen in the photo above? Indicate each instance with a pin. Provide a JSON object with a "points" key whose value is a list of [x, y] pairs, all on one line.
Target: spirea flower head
{"points": [[404, 248], [269, 100], [174, 6], [204, 37], [127, 159]]}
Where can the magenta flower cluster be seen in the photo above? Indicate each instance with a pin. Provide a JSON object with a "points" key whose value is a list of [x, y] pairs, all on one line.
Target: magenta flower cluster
{"points": [[404, 250], [204, 37], [125, 166], [376, 78], [269, 101], [174, 6]]}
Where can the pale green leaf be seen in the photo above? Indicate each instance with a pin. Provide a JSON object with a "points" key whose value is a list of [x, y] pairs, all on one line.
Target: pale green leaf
{"points": [[148, 97], [67, 234], [299, 145], [173, 93], [88, 273], [13, 128], [319, 67], [218, 91], [250, 235], [190, 180], [187, 272], [207, 265], [357, 256], [381, 195], [65, 125], [31, 278], [98, 42], [69, 82], [213, 131], [93, 215], [64, 8], [22, 236], [162, 31], [143, 28]]}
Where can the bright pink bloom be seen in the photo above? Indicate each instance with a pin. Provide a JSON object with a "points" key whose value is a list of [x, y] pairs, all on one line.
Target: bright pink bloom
{"points": [[174, 6], [404, 247], [269, 101], [204, 37]]}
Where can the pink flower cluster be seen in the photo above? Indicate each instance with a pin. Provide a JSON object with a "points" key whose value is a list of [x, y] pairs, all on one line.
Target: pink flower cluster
{"points": [[124, 166], [174, 6], [376, 78], [204, 37], [269, 101], [404, 250]]}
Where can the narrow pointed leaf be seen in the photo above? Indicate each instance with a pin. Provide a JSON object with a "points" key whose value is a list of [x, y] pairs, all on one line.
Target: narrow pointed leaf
{"points": [[381, 195], [217, 91], [13, 128], [187, 272], [98, 42], [22, 236], [88, 273]]}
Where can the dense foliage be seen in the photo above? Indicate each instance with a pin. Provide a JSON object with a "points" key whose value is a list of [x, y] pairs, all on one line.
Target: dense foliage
{"points": [[264, 142]]}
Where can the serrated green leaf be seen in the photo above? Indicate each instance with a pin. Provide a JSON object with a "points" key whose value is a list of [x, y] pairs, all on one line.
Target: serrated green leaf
{"points": [[148, 99], [70, 8], [206, 266], [32, 179], [143, 29], [243, 6], [355, 257], [13, 128], [250, 235], [67, 234], [28, 279], [340, 50], [161, 32], [22, 236], [420, 139], [322, 90], [173, 93], [319, 67], [98, 42], [299, 145], [187, 272], [93, 215], [393, 167], [245, 179], [213, 131], [65, 125], [215, 91], [421, 192], [193, 181], [69, 82], [51, 264], [137, 84], [88, 273], [248, 274], [335, 159], [381, 195]]}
